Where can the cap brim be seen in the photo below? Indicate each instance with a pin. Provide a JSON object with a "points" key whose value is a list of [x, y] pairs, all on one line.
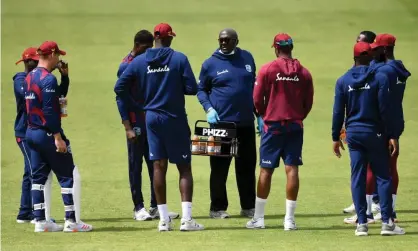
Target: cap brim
{"points": [[374, 45], [63, 53]]}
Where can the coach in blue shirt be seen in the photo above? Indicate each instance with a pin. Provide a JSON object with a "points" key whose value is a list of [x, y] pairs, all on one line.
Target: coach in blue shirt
{"points": [[225, 91]]}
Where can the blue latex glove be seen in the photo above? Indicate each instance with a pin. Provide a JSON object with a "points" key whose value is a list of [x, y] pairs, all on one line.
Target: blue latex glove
{"points": [[212, 116], [260, 125]]}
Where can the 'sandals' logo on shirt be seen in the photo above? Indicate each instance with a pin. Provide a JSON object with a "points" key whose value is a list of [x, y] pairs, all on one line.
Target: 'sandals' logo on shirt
{"points": [[365, 87], [221, 72], [159, 69], [30, 96], [248, 68], [294, 79]]}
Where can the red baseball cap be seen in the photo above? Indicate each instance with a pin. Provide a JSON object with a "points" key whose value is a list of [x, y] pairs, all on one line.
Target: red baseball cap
{"points": [[49, 47], [29, 53], [384, 39], [360, 48], [282, 39], [164, 30]]}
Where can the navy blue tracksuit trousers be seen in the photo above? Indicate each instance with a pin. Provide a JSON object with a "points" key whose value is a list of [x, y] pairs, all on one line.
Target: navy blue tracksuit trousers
{"points": [[44, 158], [25, 211], [137, 151], [370, 147]]}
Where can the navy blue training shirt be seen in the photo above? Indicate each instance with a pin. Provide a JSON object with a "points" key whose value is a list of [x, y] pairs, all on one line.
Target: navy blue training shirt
{"points": [[19, 84], [226, 84], [42, 101], [163, 76], [397, 75], [131, 111], [362, 97]]}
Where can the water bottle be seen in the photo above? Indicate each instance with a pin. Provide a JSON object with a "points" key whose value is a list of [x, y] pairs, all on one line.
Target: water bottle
{"points": [[63, 106]]}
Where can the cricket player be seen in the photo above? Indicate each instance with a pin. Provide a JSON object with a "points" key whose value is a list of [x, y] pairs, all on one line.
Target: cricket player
{"points": [[30, 59], [133, 120], [283, 96], [225, 91], [385, 62], [368, 37], [49, 147], [163, 76], [362, 97]]}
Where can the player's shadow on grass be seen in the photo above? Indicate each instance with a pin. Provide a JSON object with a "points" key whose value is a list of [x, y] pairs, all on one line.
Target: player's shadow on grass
{"points": [[279, 216], [110, 219], [123, 229], [279, 226], [414, 211]]}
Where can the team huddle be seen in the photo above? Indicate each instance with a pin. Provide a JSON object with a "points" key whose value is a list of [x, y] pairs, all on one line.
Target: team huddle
{"points": [[153, 80], [368, 100]]}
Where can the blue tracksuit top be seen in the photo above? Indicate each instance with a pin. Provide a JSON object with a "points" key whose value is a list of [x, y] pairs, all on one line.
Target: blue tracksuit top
{"points": [[19, 84], [362, 96], [163, 76], [42, 101], [131, 111], [226, 83], [397, 75]]}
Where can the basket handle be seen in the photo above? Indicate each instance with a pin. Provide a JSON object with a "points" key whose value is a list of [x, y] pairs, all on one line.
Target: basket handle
{"points": [[220, 121]]}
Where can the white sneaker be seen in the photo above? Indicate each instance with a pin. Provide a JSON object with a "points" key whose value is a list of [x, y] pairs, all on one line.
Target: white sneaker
{"points": [[354, 220], [391, 229], [153, 212], [190, 225], [375, 207], [142, 215], [247, 212], [164, 226], [219, 214], [47, 226], [378, 217], [256, 223], [362, 230], [71, 226], [26, 221], [289, 224], [349, 210]]}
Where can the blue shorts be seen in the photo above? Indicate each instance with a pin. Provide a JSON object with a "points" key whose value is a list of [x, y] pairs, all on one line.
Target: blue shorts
{"points": [[286, 145], [168, 138]]}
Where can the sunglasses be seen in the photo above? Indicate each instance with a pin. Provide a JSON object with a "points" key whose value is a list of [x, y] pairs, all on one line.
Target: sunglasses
{"points": [[284, 42], [227, 40]]}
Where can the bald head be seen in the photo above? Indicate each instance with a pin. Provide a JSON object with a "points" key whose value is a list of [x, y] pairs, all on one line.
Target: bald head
{"points": [[229, 32], [228, 40]]}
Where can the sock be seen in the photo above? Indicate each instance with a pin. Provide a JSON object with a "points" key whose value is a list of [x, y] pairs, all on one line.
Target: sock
{"points": [[47, 197], [77, 194], [259, 208], [187, 210], [290, 209], [369, 200], [162, 209], [393, 201]]}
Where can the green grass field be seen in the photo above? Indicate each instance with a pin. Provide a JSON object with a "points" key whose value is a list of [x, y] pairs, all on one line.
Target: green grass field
{"points": [[98, 34]]}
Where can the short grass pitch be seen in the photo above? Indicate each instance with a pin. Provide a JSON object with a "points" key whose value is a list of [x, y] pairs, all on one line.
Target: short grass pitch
{"points": [[97, 34]]}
